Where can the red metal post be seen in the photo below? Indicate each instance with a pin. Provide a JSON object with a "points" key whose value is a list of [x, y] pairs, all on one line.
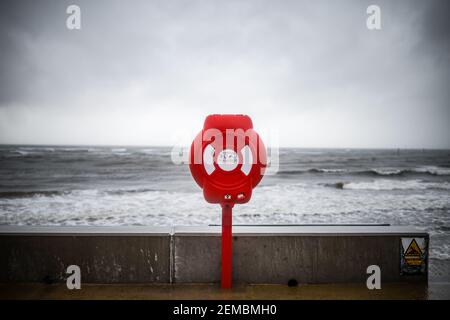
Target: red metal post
{"points": [[226, 246]]}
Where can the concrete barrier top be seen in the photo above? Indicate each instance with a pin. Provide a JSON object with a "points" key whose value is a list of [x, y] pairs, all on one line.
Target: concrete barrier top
{"points": [[85, 231], [319, 230], [285, 230]]}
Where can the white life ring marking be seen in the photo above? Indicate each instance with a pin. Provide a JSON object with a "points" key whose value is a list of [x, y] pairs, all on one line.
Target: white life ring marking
{"points": [[208, 159], [247, 160]]}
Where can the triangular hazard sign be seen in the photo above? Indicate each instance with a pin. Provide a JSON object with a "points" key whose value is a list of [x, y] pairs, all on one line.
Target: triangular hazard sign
{"points": [[413, 250]]}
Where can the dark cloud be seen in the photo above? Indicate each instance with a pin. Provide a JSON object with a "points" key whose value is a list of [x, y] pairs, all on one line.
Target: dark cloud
{"points": [[20, 22], [436, 23], [299, 63]]}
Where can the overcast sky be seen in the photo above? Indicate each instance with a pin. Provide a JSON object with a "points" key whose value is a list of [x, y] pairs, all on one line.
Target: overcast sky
{"points": [[147, 72]]}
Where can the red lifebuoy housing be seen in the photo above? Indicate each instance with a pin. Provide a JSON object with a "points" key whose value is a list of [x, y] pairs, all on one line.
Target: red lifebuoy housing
{"points": [[227, 160]]}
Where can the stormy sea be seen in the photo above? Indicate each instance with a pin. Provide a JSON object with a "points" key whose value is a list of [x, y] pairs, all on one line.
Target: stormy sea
{"points": [[110, 186]]}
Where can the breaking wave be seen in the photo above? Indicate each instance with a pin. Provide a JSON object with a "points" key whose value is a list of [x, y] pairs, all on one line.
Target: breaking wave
{"points": [[53, 193], [434, 171], [385, 184]]}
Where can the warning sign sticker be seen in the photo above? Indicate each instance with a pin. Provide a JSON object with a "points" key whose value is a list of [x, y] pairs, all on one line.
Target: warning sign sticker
{"points": [[413, 255]]}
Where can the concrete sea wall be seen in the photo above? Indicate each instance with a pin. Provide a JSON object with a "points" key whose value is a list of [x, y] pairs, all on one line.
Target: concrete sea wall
{"points": [[261, 254]]}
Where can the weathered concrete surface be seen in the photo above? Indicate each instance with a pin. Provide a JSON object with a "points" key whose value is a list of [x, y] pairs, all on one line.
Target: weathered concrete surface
{"points": [[279, 254], [104, 255]]}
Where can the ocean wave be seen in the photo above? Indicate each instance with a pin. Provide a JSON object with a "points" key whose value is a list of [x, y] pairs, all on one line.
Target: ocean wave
{"points": [[130, 191], [118, 150], [29, 194], [148, 151], [430, 170], [38, 149], [25, 151], [21, 152], [385, 184], [313, 170], [86, 192], [439, 171], [76, 149]]}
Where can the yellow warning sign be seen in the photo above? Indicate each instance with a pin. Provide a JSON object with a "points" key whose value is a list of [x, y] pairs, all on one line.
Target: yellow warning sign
{"points": [[413, 255]]}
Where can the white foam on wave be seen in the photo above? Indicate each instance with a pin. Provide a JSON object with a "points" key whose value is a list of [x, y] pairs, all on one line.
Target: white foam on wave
{"points": [[333, 170], [386, 184], [37, 149], [439, 171], [148, 151], [21, 152], [74, 149], [120, 151], [279, 203], [387, 171], [270, 204]]}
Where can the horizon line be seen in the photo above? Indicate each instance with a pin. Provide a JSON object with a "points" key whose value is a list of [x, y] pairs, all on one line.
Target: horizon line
{"points": [[171, 146]]}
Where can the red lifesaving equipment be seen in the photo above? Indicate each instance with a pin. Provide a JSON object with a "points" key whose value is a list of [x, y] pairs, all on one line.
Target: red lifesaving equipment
{"points": [[227, 160]]}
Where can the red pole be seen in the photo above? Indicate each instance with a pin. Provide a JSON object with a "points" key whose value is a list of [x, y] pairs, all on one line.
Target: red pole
{"points": [[226, 246]]}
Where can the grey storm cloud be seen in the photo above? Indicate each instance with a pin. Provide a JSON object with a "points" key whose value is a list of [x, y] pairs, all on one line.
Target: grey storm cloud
{"points": [[312, 67]]}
